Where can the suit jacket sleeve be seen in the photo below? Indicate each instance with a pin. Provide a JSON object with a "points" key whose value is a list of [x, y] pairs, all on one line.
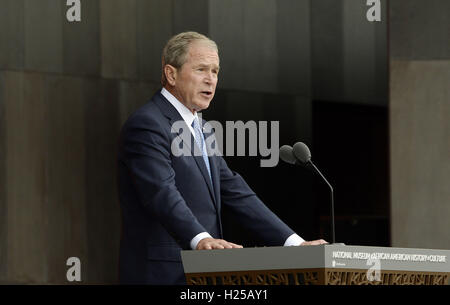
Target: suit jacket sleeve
{"points": [[145, 150], [249, 209]]}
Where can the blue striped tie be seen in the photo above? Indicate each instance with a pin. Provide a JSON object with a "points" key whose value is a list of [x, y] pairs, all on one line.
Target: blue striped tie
{"points": [[201, 143]]}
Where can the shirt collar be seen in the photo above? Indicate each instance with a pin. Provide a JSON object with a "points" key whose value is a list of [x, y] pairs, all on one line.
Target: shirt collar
{"points": [[185, 113]]}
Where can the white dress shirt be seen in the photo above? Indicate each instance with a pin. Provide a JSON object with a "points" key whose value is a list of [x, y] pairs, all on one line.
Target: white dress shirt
{"points": [[188, 117]]}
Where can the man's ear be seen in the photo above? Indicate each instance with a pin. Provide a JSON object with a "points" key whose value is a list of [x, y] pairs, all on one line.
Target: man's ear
{"points": [[171, 74]]}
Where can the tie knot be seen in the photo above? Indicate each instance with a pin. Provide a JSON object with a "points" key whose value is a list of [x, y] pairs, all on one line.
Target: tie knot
{"points": [[197, 127], [195, 123]]}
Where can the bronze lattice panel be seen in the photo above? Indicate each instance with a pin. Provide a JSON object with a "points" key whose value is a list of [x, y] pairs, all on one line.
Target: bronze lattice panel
{"points": [[316, 277]]}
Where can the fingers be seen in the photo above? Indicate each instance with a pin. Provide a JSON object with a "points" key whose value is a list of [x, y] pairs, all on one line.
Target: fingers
{"points": [[314, 242], [236, 246], [211, 243]]}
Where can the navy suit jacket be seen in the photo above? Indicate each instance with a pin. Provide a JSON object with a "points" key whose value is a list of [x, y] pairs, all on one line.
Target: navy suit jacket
{"points": [[167, 200]]}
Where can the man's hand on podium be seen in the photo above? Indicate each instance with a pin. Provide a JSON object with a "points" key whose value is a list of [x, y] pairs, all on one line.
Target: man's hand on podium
{"points": [[314, 242], [212, 243]]}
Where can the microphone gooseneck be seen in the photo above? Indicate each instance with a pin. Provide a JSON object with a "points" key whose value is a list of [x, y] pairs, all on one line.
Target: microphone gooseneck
{"points": [[332, 201], [300, 154]]}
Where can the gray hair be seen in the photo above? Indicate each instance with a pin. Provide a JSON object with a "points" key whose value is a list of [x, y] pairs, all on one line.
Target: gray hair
{"points": [[176, 49]]}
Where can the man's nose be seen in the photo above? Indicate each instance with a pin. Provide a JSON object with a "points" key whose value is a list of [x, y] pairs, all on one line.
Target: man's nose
{"points": [[209, 78]]}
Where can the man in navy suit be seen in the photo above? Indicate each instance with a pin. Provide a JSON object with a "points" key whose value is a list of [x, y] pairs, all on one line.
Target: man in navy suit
{"points": [[169, 201]]}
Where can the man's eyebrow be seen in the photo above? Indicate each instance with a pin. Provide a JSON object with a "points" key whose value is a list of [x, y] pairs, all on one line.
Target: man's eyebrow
{"points": [[206, 65]]}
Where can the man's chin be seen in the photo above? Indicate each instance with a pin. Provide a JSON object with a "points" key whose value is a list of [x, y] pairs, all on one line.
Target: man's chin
{"points": [[202, 106]]}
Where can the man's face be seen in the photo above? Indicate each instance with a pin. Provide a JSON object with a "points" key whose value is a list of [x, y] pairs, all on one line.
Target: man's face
{"points": [[196, 80]]}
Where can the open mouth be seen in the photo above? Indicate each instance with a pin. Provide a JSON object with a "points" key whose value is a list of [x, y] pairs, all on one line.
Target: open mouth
{"points": [[206, 93]]}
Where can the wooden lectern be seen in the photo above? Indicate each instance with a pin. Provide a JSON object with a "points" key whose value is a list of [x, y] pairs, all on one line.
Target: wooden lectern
{"points": [[317, 265]]}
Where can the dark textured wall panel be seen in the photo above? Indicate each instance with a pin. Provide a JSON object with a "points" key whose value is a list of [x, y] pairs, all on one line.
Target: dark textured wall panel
{"points": [[246, 33], [294, 47], [132, 95], [26, 175], [59, 161], [420, 153], [226, 20], [44, 35], [256, 52], [81, 51], [12, 34], [327, 50], [118, 39], [381, 37], [154, 28], [102, 207], [349, 53], [260, 46], [65, 176], [420, 29], [365, 54], [3, 185], [190, 16]]}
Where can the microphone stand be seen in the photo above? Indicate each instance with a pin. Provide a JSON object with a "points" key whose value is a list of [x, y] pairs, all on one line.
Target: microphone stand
{"points": [[332, 200]]}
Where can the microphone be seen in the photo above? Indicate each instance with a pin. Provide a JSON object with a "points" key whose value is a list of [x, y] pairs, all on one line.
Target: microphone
{"points": [[287, 155], [300, 154]]}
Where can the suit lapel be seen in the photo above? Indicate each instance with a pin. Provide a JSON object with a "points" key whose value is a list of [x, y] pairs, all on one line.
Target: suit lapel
{"points": [[216, 180], [215, 174], [172, 114]]}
